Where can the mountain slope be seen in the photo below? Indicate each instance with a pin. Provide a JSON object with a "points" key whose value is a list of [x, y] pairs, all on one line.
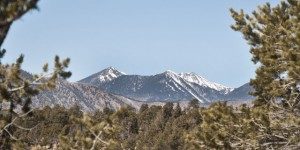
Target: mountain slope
{"points": [[89, 98], [161, 87], [241, 93]]}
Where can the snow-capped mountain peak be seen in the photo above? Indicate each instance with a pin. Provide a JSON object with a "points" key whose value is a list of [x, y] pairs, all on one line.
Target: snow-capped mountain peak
{"points": [[103, 76], [173, 75], [109, 74], [170, 73], [194, 78]]}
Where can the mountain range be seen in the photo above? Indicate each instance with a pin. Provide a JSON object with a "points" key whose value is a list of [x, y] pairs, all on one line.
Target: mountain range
{"points": [[166, 86], [114, 89]]}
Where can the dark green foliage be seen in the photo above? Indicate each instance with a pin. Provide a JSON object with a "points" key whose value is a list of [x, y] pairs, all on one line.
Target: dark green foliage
{"points": [[274, 36], [177, 111], [194, 103], [218, 126], [143, 107], [125, 128], [167, 110]]}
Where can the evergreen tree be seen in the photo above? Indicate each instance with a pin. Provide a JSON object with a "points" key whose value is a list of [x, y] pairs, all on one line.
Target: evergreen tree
{"points": [[167, 110], [194, 103], [274, 36], [92, 135], [177, 111], [143, 107]]}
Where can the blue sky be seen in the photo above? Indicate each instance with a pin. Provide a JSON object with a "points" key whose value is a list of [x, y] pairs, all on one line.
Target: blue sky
{"points": [[137, 37]]}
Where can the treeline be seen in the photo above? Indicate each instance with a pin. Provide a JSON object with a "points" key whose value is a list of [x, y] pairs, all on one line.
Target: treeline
{"points": [[158, 127], [218, 126]]}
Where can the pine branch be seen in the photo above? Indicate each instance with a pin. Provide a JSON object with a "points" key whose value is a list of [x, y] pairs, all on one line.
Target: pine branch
{"points": [[35, 82], [28, 5], [95, 140], [96, 136], [12, 123]]}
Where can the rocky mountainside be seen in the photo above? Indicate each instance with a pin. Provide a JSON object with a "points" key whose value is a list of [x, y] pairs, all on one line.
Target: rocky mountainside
{"points": [[167, 86], [241, 93], [89, 98]]}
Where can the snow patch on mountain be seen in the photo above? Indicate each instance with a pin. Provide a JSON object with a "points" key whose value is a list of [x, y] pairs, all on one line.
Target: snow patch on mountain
{"points": [[194, 78], [103, 76], [109, 74], [181, 84]]}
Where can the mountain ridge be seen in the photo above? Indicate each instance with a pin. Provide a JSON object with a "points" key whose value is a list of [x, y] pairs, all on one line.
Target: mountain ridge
{"points": [[165, 86]]}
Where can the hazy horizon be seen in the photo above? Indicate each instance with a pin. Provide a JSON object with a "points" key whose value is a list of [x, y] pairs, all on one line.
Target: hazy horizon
{"points": [[136, 37]]}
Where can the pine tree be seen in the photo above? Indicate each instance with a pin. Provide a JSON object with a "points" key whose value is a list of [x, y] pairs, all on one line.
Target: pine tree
{"points": [[194, 103], [91, 135], [177, 111], [274, 36], [167, 110], [143, 108]]}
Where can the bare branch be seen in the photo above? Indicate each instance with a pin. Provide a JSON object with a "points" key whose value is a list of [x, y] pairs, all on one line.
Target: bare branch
{"points": [[11, 136], [35, 82], [96, 136], [95, 140], [13, 123]]}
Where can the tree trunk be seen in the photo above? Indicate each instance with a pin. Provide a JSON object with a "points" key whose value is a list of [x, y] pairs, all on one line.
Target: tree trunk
{"points": [[3, 32]]}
